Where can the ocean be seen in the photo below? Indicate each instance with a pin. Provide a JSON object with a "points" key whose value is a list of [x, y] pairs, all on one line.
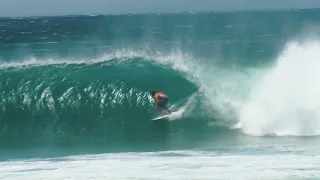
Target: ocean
{"points": [[75, 101]]}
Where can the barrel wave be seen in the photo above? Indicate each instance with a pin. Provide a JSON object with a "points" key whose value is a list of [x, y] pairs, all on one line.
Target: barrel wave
{"points": [[105, 103], [84, 81]]}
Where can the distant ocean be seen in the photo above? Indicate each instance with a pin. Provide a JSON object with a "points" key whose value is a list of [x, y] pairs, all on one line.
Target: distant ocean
{"points": [[75, 102]]}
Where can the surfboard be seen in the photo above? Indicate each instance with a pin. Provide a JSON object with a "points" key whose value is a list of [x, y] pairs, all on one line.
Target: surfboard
{"points": [[161, 117]]}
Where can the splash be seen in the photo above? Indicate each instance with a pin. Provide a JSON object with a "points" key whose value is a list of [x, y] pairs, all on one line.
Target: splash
{"points": [[287, 99], [185, 110]]}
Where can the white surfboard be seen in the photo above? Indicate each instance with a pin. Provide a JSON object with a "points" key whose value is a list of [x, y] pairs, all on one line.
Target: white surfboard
{"points": [[161, 117], [175, 114]]}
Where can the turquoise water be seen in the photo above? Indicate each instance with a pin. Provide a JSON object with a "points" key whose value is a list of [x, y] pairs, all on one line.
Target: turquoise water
{"points": [[74, 94]]}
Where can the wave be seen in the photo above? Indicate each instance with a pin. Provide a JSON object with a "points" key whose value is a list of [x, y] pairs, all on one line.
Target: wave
{"points": [[106, 101], [103, 102]]}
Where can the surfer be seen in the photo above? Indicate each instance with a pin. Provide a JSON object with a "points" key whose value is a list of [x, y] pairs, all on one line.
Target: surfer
{"points": [[161, 101]]}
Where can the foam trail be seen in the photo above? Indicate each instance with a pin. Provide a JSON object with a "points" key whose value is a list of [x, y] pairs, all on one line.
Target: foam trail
{"points": [[287, 99], [184, 110]]}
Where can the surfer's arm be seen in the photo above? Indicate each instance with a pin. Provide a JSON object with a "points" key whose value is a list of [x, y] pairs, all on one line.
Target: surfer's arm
{"points": [[156, 98], [157, 101]]}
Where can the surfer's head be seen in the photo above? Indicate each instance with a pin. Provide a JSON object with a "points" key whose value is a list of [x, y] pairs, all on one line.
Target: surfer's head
{"points": [[153, 92]]}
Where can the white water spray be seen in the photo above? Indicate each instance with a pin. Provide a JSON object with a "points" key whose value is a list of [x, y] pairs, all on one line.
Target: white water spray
{"points": [[287, 99]]}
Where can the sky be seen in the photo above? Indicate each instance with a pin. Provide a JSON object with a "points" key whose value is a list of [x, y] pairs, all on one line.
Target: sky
{"points": [[69, 7]]}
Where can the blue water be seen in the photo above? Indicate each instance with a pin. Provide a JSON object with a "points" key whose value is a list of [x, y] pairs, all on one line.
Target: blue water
{"points": [[74, 94]]}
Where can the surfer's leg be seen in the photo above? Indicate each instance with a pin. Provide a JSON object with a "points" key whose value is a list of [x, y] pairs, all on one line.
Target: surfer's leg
{"points": [[167, 109], [159, 110], [163, 103]]}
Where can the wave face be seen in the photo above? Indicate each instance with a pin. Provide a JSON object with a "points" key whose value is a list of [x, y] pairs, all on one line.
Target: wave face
{"points": [[85, 80], [106, 102]]}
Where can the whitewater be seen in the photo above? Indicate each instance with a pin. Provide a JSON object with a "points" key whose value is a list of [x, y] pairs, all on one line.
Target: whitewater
{"points": [[75, 104]]}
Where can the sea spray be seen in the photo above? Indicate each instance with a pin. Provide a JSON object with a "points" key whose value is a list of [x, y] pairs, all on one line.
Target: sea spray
{"points": [[287, 99]]}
